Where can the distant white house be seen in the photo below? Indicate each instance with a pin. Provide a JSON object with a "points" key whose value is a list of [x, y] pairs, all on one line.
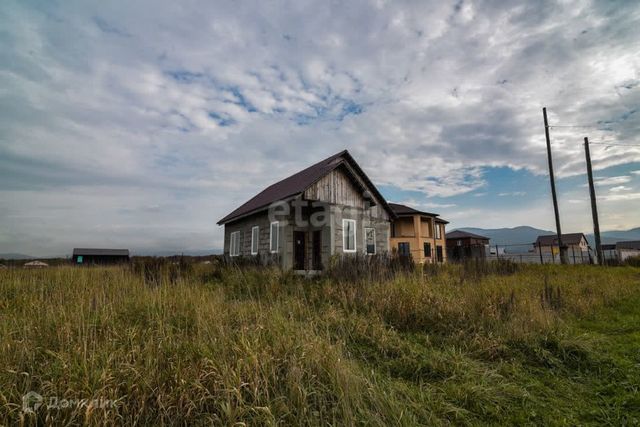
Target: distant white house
{"points": [[628, 249], [36, 264]]}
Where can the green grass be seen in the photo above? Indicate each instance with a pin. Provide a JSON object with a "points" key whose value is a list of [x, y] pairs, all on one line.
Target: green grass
{"points": [[556, 345]]}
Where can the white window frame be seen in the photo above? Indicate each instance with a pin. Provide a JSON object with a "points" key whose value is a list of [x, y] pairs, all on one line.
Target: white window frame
{"points": [[255, 239], [277, 237], [234, 246], [345, 237], [438, 231], [366, 247]]}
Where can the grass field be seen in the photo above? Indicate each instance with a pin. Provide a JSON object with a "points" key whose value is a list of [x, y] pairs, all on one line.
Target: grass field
{"points": [[556, 345]]}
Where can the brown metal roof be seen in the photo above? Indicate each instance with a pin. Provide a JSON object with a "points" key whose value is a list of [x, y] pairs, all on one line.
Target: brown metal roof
{"points": [[298, 183], [459, 234], [567, 239], [404, 210]]}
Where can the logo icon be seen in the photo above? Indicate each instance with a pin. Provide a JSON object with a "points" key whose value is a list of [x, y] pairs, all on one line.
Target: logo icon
{"points": [[31, 402]]}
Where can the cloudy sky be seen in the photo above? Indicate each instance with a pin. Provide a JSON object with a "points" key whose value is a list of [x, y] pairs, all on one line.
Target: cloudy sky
{"points": [[140, 124]]}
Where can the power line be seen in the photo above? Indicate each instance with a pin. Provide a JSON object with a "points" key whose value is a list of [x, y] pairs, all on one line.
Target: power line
{"points": [[575, 126], [600, 142], [614, 144], [604, 127]]}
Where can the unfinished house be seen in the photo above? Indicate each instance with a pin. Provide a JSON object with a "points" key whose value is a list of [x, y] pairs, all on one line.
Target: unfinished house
{"points": [[462, 246], [418, 234], [330, 208]]}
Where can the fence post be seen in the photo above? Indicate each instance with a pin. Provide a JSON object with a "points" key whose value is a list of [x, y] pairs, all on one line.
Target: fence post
{"points": [[553, 255], [540, 252], [573, 252]]}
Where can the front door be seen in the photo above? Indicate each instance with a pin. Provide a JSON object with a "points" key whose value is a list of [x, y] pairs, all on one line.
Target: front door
{"points": [[299, 238], [316, 252]]}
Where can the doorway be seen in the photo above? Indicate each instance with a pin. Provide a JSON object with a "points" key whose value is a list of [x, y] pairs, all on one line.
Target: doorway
{"points": [[299, 238], [316, 252]]}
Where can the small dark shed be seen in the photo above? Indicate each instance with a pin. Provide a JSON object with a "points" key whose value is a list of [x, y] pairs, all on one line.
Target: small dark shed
{"points": [[463, 245], [85, 256]]}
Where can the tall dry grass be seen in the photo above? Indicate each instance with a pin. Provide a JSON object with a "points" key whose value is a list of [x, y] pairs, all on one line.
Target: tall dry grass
{"points": [[225, 345]]}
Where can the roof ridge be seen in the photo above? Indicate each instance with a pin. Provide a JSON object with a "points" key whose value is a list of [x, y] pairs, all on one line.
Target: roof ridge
{"points": [[283, 188]]}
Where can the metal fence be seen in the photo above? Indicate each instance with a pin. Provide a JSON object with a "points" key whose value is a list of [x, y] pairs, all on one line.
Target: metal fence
{"points": [[527, 253]]}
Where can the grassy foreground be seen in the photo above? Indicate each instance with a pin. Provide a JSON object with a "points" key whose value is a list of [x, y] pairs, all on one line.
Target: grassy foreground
{"points": [[544, 345]]}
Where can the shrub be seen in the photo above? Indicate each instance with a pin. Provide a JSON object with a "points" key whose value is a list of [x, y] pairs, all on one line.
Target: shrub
{"points": [[367, 268], [476, 268], [157, 271], [633, 261]]}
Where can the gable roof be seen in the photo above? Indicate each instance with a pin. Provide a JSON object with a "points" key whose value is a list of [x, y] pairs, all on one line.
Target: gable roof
{"points": [[91, 251], [633, 244], [567, 239], [298, 183], [459, 234], [404, 210]]}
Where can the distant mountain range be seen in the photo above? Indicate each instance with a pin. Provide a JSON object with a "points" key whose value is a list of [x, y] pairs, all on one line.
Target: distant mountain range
{"points": [[617, 235], [15, 256], [527, 235], [509, 236], [161, 253]]}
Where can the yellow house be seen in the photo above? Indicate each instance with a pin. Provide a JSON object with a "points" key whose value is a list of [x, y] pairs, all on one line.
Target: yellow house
{"points": [[420, 234]]}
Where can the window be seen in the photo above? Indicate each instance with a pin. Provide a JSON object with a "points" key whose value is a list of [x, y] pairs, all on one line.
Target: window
{"points": [[438, 231], [273, 237], [427, 249], [459, 242], [370, 240], [80, 258], [404, 249], [255, 236], [234, 244], [348, 235]]}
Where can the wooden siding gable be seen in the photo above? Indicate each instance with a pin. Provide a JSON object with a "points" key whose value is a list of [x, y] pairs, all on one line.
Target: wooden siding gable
{"points": [[341, 186]]}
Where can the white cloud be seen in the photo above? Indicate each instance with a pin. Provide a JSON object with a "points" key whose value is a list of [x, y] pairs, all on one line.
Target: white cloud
{"points": [[620, 188], [200, 105], [426, 206], [621, 197], [613, 180], [512, 194]]}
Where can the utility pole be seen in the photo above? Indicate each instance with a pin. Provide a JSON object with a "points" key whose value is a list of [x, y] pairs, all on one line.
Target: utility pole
{"points": [[594, 206], [563, 249]]}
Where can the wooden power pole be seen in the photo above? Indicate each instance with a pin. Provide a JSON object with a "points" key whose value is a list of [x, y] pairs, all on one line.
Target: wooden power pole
{"points": [[563, 249], [594, 206]]}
